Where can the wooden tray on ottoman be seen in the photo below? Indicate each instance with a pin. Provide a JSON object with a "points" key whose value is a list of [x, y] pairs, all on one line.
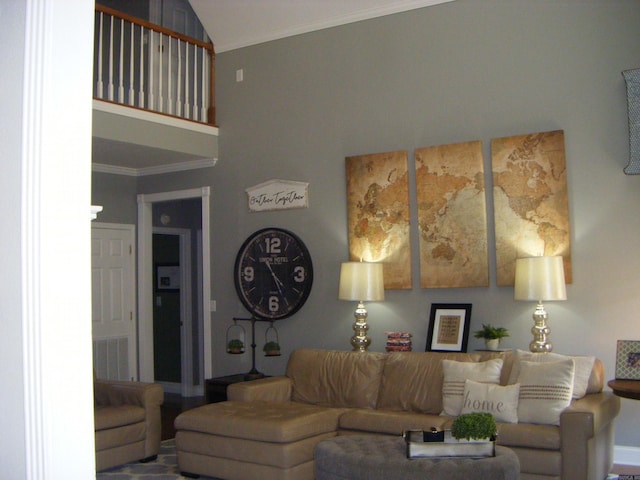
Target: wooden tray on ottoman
{"points": [[440, 444]]}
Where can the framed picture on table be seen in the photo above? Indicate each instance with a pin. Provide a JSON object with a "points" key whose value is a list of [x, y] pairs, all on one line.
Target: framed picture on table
{"points": [[448, 327], [628, 360]]}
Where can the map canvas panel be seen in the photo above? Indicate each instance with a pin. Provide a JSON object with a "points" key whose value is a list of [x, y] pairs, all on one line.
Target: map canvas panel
{"points": [[378, 214], [530, 197], [452, 216]]}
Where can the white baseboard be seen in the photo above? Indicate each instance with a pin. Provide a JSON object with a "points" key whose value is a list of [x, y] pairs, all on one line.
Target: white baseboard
{"points": [[626, 455]]}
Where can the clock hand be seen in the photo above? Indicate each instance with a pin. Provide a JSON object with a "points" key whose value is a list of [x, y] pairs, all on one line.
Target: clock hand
{"points": [[275, 278]]}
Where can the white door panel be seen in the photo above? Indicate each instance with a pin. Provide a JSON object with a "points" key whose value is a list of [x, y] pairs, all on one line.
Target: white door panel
{"points": [[113, 318]]}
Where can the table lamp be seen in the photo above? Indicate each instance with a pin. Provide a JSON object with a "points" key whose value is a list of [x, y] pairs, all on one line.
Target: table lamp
{"points": [[361, 281], [540, 279]]}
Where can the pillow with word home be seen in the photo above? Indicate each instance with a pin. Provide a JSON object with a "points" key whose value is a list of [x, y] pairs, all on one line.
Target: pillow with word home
{"points": [[499, 401]]}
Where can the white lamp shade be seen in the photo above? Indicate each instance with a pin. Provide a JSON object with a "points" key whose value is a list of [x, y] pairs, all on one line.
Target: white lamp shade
{"points": [[540, 279], [361, 281]]}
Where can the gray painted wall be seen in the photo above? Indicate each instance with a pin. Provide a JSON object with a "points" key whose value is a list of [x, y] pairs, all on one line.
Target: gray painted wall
{"points": [[466, 70]]}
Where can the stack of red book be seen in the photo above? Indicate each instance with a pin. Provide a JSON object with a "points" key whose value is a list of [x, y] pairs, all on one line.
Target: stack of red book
{"points": [[398, 341]]}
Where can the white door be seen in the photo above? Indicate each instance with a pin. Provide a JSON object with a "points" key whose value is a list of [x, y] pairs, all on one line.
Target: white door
{"points": [[113, 307]]}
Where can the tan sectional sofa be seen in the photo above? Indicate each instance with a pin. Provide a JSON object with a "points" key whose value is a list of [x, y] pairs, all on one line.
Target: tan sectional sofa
{"points": [[269, 427]]}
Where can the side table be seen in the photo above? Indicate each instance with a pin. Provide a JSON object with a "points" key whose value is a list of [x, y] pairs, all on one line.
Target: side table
{"points": [[625, 388], [216, 388]]}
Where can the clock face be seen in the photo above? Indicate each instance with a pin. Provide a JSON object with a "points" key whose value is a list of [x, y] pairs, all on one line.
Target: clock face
{"points": [[273, 273]]}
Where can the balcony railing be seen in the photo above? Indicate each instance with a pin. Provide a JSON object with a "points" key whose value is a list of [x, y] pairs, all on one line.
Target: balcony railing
{"points": [[142, 65]]}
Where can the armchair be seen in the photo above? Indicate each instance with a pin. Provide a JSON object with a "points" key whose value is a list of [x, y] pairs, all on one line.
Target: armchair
{"points": [[127, 422]]}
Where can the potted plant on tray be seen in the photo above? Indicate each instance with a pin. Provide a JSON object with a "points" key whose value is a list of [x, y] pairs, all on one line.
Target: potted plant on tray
{"points": [[474, 426], [271, 349], [492, 335]]}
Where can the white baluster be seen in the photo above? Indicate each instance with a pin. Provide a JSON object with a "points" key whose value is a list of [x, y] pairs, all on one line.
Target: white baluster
{"points": [[141, 91], [160, 73], [110, 84], [100, 84], [194, 110], [131, 49], [204, 99], [169, 75], [152, 102], [179, 82], [121, 75], [186, 82]]}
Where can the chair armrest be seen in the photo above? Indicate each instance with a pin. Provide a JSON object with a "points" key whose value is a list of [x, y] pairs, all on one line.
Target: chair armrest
{"points": [[270, 389], [109, 392], [586, 435]]}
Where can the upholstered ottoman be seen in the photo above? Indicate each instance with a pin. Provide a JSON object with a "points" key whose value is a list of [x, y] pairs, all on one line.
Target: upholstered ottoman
{"points": [[253, 440], [384, 457]]}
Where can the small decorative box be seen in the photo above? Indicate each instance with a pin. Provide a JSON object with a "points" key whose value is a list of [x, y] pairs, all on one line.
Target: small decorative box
{"points": [[440, 443]]}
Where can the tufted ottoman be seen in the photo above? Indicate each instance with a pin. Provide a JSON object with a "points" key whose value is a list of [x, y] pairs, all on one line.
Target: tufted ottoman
{"points": [[384, 457]]}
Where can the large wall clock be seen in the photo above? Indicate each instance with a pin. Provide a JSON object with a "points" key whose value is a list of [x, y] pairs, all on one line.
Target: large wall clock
{"points": [[273, 273]]}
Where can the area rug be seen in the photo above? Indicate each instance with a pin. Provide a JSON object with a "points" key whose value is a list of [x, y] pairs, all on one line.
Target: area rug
{"points": [[164, 468]]}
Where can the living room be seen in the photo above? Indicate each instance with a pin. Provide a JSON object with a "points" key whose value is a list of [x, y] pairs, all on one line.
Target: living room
{"points": [[439, 75]]}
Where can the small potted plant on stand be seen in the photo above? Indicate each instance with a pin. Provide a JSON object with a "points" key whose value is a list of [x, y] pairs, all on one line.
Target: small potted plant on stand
{"points": [[235, 346], [474, 427], [271, 349], [492, 335]]}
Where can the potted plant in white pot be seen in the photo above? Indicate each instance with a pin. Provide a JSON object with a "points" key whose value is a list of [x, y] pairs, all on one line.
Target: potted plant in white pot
{"points": [[492, 335]]}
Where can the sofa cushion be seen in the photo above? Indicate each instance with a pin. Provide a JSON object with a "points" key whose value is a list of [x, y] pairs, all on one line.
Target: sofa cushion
{"points": [[261, 421], [455, 375], [499, 401], [545, 390], [106, 417], [412, 381], [337, 379], [388, 421], [583, 368]]}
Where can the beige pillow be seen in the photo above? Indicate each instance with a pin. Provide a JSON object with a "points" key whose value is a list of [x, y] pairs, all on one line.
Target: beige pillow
{"points": [[545, 391], [584, 365], [457, 373], [501, 402]]}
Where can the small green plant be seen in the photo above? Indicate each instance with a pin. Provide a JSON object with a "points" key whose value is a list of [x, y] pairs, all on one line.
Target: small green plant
{"points": [[271, 348], [474, 426], [235, 345], [489, 332]]}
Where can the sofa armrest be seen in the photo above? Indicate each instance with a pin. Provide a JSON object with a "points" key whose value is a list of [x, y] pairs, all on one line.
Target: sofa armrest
{"points": [[146, 395], [586, 436], [270, 389]]}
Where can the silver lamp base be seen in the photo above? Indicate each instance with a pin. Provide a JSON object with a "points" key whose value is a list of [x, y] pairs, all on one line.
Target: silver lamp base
{"points": [[360, 342], [540, 331]]}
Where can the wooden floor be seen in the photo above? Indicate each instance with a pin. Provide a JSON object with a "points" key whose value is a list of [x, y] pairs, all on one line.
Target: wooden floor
{"points": [[626, 470], [173, 405]]}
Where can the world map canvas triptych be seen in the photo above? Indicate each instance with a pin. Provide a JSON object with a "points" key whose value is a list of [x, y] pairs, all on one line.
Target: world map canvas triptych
{"points": [[531, 211]]}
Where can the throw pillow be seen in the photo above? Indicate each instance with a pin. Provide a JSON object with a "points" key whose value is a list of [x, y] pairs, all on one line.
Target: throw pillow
{"points": [[545, 391], [456, 373], [501, 402], [584, 365]]}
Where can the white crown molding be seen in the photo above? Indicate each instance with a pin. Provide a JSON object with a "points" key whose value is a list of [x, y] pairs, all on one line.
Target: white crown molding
{"points": [[149, 116], [366, 14], [155, 170]]}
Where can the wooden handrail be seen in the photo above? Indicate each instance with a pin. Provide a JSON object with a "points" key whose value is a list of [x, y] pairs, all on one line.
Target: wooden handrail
{"points": [[208, 46], [153, 26]]}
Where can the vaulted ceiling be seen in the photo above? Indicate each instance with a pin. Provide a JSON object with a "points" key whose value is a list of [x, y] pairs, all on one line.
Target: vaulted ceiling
{"points": [[234, 24]]}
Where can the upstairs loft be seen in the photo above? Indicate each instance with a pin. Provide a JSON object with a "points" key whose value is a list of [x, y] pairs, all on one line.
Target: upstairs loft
{"points": [[154, 97]]}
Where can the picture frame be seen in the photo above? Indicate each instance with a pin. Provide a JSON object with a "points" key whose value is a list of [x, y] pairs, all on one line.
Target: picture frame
{"points": [[448, 327], [628, 360], [168, 277]]}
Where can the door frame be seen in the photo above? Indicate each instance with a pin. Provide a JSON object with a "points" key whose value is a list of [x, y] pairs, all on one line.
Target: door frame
{"points": [[145, 278], [186, 388]]}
